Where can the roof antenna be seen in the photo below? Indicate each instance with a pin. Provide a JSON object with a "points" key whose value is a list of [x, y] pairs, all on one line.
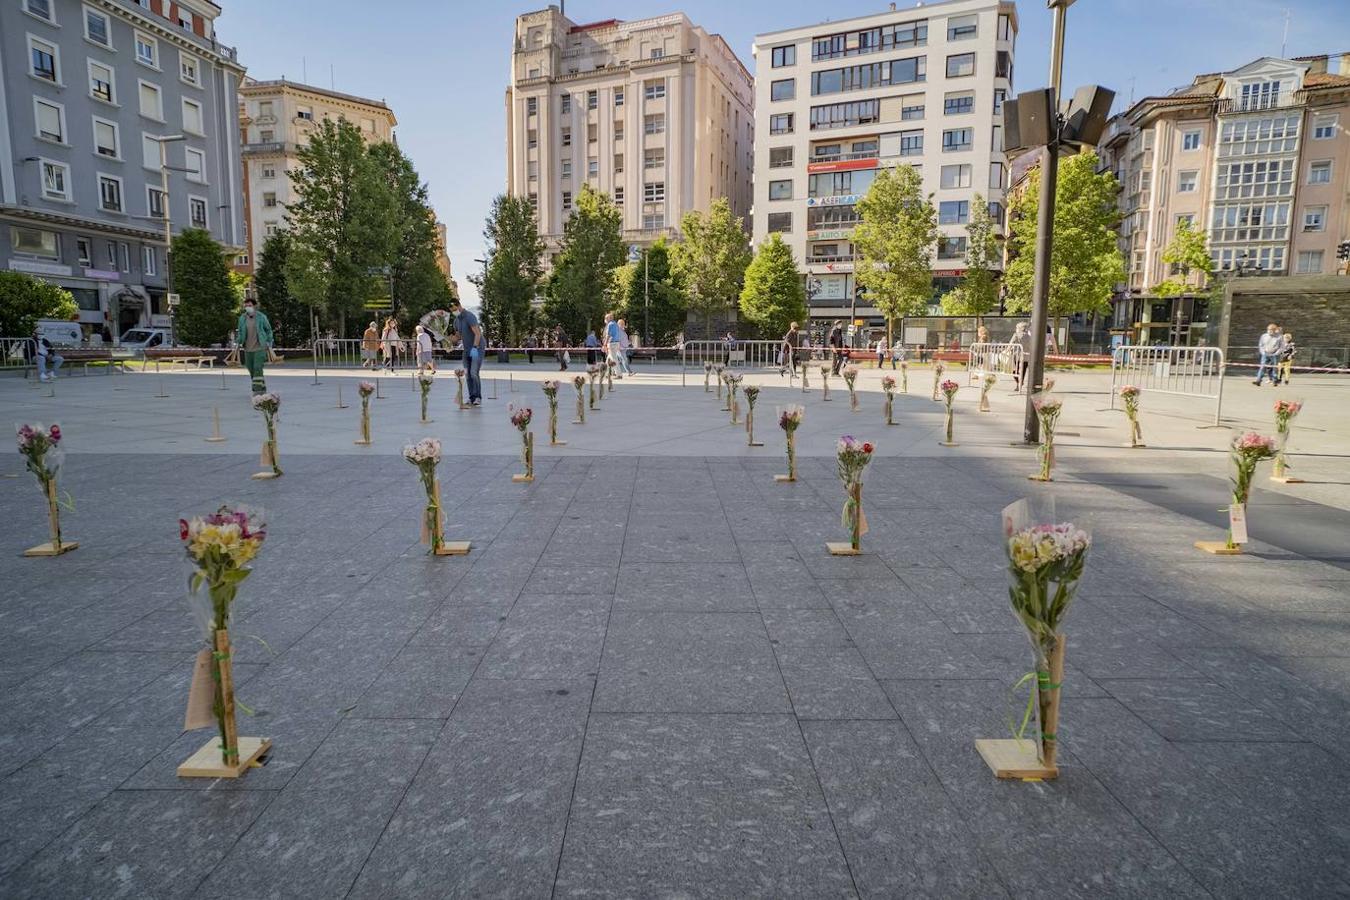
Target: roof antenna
{"points": [[304, 71], [332, 79], [1284, 41]]}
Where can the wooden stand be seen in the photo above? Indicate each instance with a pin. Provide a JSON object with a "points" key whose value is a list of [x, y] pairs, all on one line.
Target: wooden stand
{"points": [[51, 549], [453, 548], [206, 762], [783, 478], [362, 443], [852, 548], [1286, 479], [55, 546], [1038, 478], [948, 443], [1219, 548], [518, 479], [216, 437], [263, 476], [557, 443], [842, 548], [1012, 758]]}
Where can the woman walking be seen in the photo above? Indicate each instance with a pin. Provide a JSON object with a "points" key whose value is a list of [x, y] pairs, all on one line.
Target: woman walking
{"points": [[389, 342], [370, 346]]}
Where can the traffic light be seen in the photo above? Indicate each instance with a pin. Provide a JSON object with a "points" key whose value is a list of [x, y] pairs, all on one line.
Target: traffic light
{"points": [[1343, 250]]}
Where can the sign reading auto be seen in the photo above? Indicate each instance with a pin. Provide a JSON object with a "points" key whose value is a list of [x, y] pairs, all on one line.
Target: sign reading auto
{"points": [[842, 165]]}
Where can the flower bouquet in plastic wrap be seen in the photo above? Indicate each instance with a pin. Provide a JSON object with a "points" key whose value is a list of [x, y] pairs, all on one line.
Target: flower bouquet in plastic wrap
{"points": [[520, 418], [1129, 397], [825, 381], [790, 420], [852, 456], [949, 389], [579, 382], [1246, 451], [751, 395], [550, 389], [707, 376], [850, 373], [424, 382], [269, 404], [888, 405], [987, 382], [42, 455], [365, 389], [459, 388], [1285, 413], [938, 369], [733, 386], [1047, 411]]}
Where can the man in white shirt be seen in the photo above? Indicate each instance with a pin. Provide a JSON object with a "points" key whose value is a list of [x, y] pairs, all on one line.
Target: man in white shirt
{"points": [[1268, 347]]}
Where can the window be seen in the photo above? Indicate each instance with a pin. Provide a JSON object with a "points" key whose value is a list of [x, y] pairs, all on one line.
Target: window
{"points": [[566, 200], [960, 65], [654, 192], [618, 194], [35, 242], [55, 180], [911, 108], [189, 70], [837, 184], [1324, 127], [566, 137], [1003, 67], [1260, 95], [658, 52], [1314, 218], [653, 158], [951, 247], [533, 198], [995, 211], [51, 120], [618, 96], [593, 167], [618, 163], [784, 56], [154, 202], [1263, 178], [271, 228], [567, 168], [152, 101], [618, 130], [566, 104], [780, 190], [653, 221], [957, 139], [783, 89], [999, 96], [147, 50], [192, 117], [1005, 32], [84, 252], [1187, 218], [958, 104], [197, 211], [112, 255], [996, 175], [149, 261], [40, 8], [532, 170], [655, 89], [196, 165], [870, 40], [1259, 137], [911, 143], [110, 193], [96, 27], [105, 139], [1190, 140], [1309, 262], [654, 124], [267, 135], [531, 106], [101, 82], [592, 99], [780, 124], [962, 28], [996, 139], [44, 59], [269, 171], [780, 157], [1319, 172], [957, 176], [843, 115], [869, 75], [592, 133], [953, 212], [149, 152], [531, 139], [1186, 182], [780, 222], [269, 198]]}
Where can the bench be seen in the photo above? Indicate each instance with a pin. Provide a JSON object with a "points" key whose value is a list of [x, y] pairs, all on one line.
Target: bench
{"points": [[184, 357], [84, 357]]}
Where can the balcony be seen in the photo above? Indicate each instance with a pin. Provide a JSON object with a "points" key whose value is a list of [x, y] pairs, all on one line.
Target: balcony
{"points": [[267, 147], [842, 157], [1282, 100]]}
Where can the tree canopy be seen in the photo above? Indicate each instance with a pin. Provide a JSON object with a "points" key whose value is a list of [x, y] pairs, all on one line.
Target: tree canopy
{"points": [[582, 278], [25, 299], [201, 278], [773, 296], [289, 317], [1188, 251], [513, 270], [711, 260], [663, 299], [894, 244], [977, 294]]}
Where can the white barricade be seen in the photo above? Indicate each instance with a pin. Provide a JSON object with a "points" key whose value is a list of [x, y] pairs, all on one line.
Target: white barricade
{"points": [[1184, 371], [741, 354], [1000, 359]]}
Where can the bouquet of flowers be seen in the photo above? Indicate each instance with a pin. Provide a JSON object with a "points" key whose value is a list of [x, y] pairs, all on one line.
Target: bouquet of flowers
{"points": [[424, 381], [579, 382], [219, 547], [790, 420], [1285, 413], [550, 389], [42, 455], [426, 455], [1129, 395], [1048, 386], [733, 385], [707, 375], [986, 384], [825, 381], [593, 371], [1047, 411], [520, 417], [751, 395], [851, 376], [1045, 564], [904, 376], [1246, 451], [364, 390], [459, 388], [888, 387], [269, 404], [853, 457], [938, 369], [949, 389]]}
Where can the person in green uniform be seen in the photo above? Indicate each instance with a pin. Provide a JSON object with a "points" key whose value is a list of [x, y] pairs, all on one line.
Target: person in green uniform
{"points": [[255, 340]]}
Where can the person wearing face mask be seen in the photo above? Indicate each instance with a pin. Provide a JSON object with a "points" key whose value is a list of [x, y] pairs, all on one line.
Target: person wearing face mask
{"points": [[254, 337]]}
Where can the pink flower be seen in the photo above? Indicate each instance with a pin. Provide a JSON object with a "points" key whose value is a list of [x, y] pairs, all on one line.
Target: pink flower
{"points": [[55, 432], [182, 529]]}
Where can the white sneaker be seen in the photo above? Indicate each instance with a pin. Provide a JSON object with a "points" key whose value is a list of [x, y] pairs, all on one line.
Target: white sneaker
{"points": [[44, 378]]}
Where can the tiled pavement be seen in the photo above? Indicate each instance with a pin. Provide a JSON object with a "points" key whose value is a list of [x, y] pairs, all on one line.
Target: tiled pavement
{"points": [[648, 679]]}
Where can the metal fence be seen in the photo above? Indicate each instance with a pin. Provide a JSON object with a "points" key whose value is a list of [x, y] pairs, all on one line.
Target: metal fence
{"points": [[1184, 371], [16, 354], [738, 354], [1000, 359]]}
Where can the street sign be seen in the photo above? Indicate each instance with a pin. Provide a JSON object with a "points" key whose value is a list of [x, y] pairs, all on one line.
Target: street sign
{"points": [[173, 300]]}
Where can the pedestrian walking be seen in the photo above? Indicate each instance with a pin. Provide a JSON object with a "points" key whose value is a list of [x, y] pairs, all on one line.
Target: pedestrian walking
{"points": [[1268, 348], [593, 345], [625, 344], [561, 341], [370, 346], [389, 342], [425, 358], [1286, 356], [787, 353], [836, 342], [1021, 338], [530, 343], [897, 352], [470, 334], [254, 334]]}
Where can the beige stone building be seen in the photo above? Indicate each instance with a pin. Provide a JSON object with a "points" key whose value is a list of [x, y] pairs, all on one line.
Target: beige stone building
{"points": [[657, 113], [275, 121], [1258, 158]]}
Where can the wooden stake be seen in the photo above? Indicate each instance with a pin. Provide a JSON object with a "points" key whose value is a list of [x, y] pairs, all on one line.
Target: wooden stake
{"points": [[216, 437], [340, 404], [1050, 705], [378, 395], [223, 385], [162, 392]]}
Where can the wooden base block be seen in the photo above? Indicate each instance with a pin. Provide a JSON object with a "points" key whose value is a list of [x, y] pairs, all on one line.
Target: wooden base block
{"points": [[361, 443], [453, 548], [1286, 479], [1218, 548], [426, 421], [518, 479], [1038, 478], [50, 549], [263, 476], [213, 440], [557, 443], [1135, 446], [949, 443], [1011, 758], [206, 762], [578, 422], [841, 549], [756, 443], [783, 478]]}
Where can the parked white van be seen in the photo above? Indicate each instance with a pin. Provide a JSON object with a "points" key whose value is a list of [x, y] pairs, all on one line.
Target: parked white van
{"points": [[60, 334], [145, 338]]}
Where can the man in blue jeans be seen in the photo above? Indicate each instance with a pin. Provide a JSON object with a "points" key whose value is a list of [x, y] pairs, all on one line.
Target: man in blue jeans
{"points": [[471, 334], [1269, 347]]}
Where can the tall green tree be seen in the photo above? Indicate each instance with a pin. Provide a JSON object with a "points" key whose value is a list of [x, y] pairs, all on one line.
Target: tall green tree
{"points": [[711, 260], [25, 299], [424, 288], [415, 291], [648, 289], [1188, 251], [512, 271], [1085, 261], [343, 223], [773, 296], [977, 294], [208, 306], [582, 279], [894, 244], [289, 317]]}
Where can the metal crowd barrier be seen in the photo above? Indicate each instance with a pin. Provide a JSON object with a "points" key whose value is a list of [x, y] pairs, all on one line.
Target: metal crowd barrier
{"points": [[738, 354], [1184, 371], [1000, 359], [16, 353]]}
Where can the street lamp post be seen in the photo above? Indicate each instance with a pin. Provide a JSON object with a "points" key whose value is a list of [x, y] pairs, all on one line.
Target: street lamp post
{"points": [[164, 140]]}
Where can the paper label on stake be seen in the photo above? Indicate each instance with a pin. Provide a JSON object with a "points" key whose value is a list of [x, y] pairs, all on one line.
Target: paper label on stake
{"points": [[1015, 515], [266, 458], [201, 694], [1237, 522], [862, 521]]}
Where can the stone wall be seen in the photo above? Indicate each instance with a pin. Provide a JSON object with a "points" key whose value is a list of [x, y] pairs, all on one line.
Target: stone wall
{"points": [[1314, 308]]}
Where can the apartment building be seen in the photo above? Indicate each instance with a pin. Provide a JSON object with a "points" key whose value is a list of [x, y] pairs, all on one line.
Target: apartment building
{"points": [[1258, 158], [837, 102], [657, 113], [86, 88], [275, 120]]}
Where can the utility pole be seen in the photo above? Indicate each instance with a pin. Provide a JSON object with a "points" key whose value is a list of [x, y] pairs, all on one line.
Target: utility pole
{"points": [[646, 297], [164, 140]]}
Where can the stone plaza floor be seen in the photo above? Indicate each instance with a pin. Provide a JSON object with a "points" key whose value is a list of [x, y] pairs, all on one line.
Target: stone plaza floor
{"points": [[648, 678]]}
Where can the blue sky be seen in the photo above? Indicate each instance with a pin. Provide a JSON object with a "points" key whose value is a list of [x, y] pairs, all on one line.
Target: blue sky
{"points": [[443, 66]]}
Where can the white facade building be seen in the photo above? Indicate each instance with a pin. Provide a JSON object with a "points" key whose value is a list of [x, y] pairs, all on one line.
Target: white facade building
{"points": [[838, 101]]}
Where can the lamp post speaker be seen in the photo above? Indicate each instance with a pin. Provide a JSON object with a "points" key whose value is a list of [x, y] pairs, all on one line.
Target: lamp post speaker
{"points": [[1012, 135], [1087, 114], [1035, 117]]}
